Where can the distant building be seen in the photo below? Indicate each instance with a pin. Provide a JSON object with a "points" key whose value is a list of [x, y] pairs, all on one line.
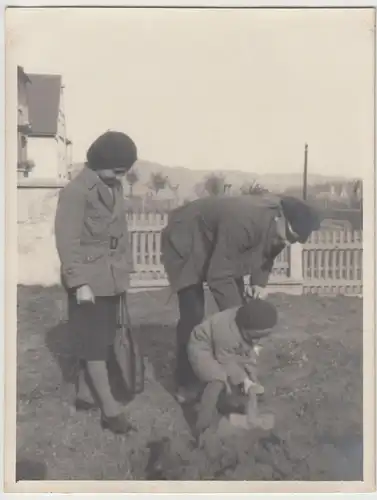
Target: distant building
{"points": [[48, 145], [23, 123], [341, 192]]}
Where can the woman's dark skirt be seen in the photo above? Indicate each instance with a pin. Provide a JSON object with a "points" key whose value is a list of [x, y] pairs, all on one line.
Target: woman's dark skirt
{"points": [[93, 326]]}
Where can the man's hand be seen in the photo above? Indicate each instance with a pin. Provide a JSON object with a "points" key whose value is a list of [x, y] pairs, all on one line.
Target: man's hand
{"points": [[257, 349], [84, 294], [256, 292]]}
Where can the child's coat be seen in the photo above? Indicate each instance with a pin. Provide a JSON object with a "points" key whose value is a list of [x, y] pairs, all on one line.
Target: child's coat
{"points": [[217, 351]]}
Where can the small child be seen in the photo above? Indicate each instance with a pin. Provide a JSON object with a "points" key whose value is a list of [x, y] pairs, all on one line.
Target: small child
{"points": [[223, 351]]}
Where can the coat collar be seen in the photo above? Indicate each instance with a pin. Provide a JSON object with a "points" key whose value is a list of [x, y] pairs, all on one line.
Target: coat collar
{"points": [[88, 177], [91, 181]]}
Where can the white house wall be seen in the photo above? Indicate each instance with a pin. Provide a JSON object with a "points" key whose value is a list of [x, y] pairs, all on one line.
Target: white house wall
{"points": [[44, 152], [62, 145], [62, 158]]}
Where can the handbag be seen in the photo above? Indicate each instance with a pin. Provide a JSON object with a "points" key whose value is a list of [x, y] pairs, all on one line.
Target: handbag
{"points": [[127, 353]]}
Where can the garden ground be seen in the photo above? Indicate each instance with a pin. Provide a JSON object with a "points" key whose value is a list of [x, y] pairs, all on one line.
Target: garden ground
{"points": [[311, 369]]}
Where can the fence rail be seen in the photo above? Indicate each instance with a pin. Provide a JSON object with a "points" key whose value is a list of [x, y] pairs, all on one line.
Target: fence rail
{"points": [[330, 262]]}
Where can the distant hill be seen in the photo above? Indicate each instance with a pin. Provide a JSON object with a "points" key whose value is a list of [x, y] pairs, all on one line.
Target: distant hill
{"points": [[188, 179]]}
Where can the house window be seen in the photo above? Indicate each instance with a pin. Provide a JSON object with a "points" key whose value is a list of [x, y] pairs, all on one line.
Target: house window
{"points": [[19, 147], [23, 148]]}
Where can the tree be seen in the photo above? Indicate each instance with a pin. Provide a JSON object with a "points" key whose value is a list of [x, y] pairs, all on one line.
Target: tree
{"points": [[158, 181], [132, 178], [214, 184], [174, 188], [227, 188], [199, 189], [253, 187]]}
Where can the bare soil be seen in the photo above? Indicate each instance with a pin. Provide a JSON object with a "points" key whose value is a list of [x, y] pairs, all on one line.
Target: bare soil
{"points": [[311, 370]]}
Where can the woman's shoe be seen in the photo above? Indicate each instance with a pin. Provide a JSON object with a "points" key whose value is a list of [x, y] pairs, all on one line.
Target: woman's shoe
{"points": [[118, 424], [82, 405]]}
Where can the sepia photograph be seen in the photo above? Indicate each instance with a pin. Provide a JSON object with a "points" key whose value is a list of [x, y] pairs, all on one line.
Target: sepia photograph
{"points": [[190, 288]]}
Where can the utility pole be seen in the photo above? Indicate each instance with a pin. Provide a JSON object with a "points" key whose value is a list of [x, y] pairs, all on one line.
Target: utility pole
{"points": [[305, 183]]}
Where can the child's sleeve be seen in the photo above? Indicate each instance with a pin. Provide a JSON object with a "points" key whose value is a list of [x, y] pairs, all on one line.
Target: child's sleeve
{"points": [[251, 366], [200, 354]]}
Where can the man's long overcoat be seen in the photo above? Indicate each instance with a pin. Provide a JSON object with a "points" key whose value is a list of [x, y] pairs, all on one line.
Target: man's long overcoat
{"points": [[219, 239]]}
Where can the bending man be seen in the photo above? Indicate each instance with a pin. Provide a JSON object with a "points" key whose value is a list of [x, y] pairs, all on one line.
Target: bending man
{"points": [[219, 240]]}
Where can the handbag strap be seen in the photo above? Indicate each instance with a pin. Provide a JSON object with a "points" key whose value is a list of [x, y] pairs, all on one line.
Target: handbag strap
{"points": [[120, 312], [125, 320]]}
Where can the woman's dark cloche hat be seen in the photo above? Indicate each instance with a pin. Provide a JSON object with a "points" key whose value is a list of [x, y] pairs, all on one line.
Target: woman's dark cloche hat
{"points": [[303, 218], [112, 150]]}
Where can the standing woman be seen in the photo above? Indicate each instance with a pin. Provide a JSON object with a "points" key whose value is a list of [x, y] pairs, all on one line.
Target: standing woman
{"points": [[96, 261]]}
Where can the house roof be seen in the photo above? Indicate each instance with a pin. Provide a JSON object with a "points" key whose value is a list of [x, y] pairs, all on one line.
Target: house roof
{"points": [[44, 100], [21, 75]]}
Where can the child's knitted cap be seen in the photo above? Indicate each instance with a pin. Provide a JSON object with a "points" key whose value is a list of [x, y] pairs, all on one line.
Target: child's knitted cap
{"points": [[255, 316]]}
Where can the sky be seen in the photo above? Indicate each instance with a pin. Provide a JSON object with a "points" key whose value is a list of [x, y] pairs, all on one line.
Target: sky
{"points": [[212, 89]]}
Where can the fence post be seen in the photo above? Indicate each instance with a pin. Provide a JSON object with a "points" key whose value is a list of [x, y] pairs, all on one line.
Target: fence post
{"points": [[295, 262]]}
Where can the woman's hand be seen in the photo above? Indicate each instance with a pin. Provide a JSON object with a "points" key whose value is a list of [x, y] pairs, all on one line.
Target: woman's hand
{"points": [[84, 294]]}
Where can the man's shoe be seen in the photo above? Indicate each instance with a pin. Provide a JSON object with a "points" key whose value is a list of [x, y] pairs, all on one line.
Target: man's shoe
{"points": [[82, 405], [118, 424]]}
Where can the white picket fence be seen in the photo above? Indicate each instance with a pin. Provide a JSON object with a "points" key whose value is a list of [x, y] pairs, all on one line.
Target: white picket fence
{"points": [[329, 263], [332, 262]]}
